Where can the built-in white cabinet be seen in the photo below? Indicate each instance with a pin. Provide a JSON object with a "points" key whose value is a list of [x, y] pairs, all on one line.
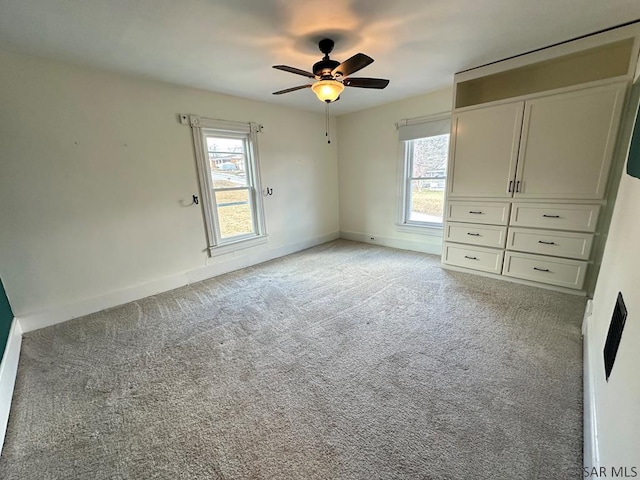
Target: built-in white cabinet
{"points": [[484, 151], [567, 142], [505, 159], [556, 146], [532, 144]]}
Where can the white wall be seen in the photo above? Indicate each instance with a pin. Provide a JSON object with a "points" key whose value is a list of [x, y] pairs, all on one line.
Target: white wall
{"points": [[617, 402], [97, 174], [369, 153]]}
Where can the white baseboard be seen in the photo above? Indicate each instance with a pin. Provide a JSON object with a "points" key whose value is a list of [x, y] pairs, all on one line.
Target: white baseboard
{"points": [[590, 450], [432, 244], [241, 260], [587, 314], [219, 266], [8, 371]]}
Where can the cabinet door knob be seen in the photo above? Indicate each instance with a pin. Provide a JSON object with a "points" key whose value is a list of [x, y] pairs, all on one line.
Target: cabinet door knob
{"points": [[510, 186], [546, 243], [550, 216], [470, 258], [518, 186], [473, 234], [475, 212], [541, 269]]}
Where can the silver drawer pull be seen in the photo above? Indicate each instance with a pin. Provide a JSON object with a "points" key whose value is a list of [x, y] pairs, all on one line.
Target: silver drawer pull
{"points": [[550, 216], [470, 258], [473, 234], [475, 212], [546, 243], [541, 269]]}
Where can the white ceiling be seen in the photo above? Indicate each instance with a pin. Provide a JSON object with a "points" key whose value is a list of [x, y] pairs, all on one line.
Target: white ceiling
{"points": [[229, 46]]}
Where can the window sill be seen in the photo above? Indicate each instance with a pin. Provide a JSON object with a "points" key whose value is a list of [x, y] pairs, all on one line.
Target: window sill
{"points": [[237, 245], [434, 230]]}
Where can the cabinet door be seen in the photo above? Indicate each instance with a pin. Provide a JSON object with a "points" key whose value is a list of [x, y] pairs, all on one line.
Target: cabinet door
{"points": [[567, 143], [484, 151]]}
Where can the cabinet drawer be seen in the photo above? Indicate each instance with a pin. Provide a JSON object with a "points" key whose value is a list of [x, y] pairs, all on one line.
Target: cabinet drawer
{"points": [[474, 234], [550, 242], [539, 268], [477, 258], [478, 212], [555, 215]]}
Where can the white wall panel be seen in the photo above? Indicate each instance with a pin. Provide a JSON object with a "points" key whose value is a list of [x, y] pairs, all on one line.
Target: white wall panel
{"points": [[616, 418], [97, 175]]}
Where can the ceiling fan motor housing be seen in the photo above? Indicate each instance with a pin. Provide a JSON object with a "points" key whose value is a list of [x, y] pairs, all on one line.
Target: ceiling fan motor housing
{"points": [[324, 67]]}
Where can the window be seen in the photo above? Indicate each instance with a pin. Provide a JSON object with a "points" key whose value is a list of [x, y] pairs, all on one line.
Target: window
{"points": [[230, 183], [424, 166]]}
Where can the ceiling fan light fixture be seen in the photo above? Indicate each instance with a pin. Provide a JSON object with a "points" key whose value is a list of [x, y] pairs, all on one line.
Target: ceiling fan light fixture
{"points": [[327, 90]]}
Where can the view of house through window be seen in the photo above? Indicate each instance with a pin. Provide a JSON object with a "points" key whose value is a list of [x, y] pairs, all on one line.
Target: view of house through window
{"points": [[425, 166], [232, 191]]}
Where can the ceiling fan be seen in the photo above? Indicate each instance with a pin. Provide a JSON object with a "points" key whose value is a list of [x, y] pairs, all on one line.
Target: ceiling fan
{"points": [[333, 76]]}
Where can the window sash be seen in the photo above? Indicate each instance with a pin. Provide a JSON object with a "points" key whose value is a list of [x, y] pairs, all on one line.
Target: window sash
{"points": [[223, 240], [219, 238], [410, 200]]}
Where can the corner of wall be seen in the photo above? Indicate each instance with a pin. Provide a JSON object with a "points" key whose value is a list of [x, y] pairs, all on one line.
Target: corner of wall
{"points": [[613, 183], [432, 244]]}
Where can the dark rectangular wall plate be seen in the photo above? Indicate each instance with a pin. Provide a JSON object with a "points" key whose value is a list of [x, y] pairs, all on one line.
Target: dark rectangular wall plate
{"points": [[614, 335]]}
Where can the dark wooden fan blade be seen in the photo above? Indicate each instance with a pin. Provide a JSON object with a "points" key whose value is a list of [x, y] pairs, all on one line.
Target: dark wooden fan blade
{"points": [[292, 89], [297, 71], [362, 82], [352, 65]]}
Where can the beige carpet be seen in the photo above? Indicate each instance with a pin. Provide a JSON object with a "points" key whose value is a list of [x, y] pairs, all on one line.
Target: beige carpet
{"points": [[345, 361]]}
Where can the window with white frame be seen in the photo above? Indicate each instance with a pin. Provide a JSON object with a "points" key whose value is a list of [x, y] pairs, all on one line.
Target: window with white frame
{"points": [[227, 157], [424, 167]]}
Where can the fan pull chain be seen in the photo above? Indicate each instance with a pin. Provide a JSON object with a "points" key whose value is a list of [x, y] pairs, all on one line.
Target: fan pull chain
{"points": [[326, 129]]}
